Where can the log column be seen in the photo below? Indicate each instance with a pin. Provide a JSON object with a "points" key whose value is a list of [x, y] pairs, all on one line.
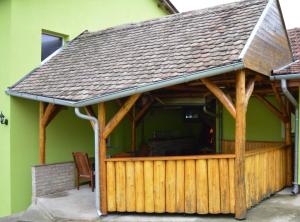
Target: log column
{"points": [[42, 135], [240, 141], [105, 131], [102, 157], [47, 114]]}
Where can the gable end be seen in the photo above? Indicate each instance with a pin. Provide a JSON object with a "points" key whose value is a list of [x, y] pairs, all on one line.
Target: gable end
{"points": [[268, 47]]}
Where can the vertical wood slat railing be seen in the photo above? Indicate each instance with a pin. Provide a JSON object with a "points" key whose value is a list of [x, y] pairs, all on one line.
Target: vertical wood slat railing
{"points": [[228, 145], [266, 171], [185, 184]]}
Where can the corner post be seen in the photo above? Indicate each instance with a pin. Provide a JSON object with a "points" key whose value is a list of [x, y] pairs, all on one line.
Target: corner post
{"points": [[240, 143], [42, 134], [102, 157]]}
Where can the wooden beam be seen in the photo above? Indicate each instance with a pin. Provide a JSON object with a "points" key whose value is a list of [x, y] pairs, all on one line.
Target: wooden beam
{"points": [[129, 115], [42, 134], [249, 90], [144, 109], [221, 96], [53, 114], [271, 107], [120, 115], [102, 158], [48, 114], [240, 143], [90, 112], [279, 99], [176, 95]]}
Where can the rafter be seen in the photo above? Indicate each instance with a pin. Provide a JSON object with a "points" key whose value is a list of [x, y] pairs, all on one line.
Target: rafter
{"points": [[279, 99], [227, 103]]}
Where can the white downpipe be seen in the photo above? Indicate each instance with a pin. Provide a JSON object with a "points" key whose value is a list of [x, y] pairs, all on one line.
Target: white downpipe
{"points": [[96, 134], [295, 104]]}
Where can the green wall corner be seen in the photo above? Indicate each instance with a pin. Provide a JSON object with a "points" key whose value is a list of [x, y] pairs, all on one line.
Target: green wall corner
{"points": [[261, 123], [21, 24]]}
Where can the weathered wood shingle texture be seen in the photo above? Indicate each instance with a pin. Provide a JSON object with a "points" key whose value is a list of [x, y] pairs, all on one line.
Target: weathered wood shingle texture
{"points": [[97, 64], [294, 67]]}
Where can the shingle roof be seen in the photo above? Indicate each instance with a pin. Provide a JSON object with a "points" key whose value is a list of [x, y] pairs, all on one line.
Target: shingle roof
{"points": [[294, 67], [134, 55]]}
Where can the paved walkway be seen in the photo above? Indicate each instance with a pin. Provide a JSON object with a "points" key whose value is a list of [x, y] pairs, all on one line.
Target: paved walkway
{"points": [[282, 207]]}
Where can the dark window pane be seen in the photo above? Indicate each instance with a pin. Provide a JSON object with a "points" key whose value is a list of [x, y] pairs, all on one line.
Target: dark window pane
{"points": [[50, 44]]}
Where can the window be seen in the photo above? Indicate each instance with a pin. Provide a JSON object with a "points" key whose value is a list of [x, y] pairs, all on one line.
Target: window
{"points": [[50, 44]]}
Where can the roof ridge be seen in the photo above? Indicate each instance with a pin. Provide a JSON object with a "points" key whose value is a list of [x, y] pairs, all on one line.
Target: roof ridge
{"points": [[192, 13]]}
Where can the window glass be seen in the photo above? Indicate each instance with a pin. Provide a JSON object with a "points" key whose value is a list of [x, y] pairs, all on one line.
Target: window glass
{"points": [[50, 44]]}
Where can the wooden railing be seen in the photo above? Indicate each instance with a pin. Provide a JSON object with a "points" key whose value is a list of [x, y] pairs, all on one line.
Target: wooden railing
{"points": [[184, 184], [192, 184], [228, 145], [265, 173]]}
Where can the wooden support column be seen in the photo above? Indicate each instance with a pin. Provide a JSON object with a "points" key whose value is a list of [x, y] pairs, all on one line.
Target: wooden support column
{"points": [[240, 141], [102, 157], [105, 131], [47, 114], [42, 136]]}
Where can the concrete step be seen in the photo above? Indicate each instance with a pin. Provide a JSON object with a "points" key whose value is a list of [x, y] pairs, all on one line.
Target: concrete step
{"points": [[35, 214]]}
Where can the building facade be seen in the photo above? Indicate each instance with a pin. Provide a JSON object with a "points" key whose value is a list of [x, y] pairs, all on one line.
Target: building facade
{"points": [[22, 24]]}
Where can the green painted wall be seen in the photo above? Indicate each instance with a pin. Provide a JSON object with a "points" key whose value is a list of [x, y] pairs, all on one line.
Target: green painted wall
{"points": [[169, 121], [262, 124], [21, 24], [5, 203]]}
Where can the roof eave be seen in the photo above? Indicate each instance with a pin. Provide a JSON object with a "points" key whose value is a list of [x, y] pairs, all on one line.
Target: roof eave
{"points": [[128, 92], [285, 76]]}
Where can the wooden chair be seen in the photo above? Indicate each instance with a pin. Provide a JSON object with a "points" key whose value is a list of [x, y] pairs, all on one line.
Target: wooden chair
{"points": [[84, 169]]}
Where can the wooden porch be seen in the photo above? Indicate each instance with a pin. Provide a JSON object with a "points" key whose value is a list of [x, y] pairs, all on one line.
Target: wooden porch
{"points": [[230, 182]]}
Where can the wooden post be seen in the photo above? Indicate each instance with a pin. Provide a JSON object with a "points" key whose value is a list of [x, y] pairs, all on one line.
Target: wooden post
{"points": [[102, 157], [240, 141], [42, 136], [288, 142], [47, 114]]}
